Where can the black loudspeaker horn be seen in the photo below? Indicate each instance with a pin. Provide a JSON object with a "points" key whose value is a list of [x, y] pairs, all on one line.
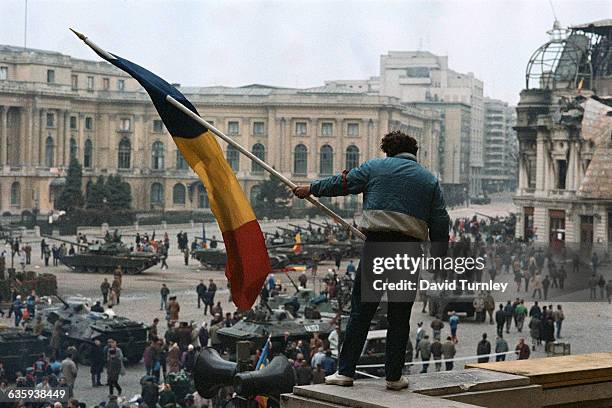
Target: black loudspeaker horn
{"points": [[212, 372], [275, 379]]}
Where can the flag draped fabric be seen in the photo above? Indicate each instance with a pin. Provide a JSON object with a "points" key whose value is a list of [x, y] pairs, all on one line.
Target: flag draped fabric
{"points": [[297, 248], [247, 256]]}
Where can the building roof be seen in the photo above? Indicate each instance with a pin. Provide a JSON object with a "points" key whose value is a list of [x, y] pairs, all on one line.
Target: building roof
{"points": [[599, 27]]}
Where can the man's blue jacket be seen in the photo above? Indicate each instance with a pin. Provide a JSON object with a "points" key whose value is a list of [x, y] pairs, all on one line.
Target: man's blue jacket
{"points": [[399, 195]]}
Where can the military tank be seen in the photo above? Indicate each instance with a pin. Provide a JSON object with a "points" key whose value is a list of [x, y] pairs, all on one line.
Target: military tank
{"points": [[261, 323], [80, 328], [19, 349], [107, 256]]}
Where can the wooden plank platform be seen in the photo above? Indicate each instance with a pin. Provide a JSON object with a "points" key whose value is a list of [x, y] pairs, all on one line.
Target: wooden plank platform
{"points": [[560, 371]]}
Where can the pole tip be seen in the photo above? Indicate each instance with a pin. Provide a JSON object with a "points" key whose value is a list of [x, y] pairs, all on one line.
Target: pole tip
{"points": [[81, 36]]}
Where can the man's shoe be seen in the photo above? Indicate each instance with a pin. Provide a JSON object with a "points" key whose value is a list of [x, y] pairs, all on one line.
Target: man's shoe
{"points": [[339, 379], [397, 385]]}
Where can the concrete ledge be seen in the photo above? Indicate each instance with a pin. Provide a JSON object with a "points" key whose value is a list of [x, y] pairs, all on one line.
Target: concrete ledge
{"points": [[530, 396], [365, 394], [589, 395]]}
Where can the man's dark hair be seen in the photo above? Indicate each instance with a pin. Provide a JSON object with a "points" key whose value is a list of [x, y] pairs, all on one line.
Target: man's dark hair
{"points": [[398, 142]]}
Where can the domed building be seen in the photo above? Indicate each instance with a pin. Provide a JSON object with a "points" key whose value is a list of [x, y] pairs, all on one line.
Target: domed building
{"points": [[564, 128]]}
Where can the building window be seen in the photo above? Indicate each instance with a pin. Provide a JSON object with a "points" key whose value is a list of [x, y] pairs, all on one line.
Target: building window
{"points": [[50, 76], [300, 128], [90, 83], [88, 154], [260, 152], [3, 73], [49, 152], [157, 193], [105, 84], [352, 157], [233, 128], [73, 122], [157, 156], [327, 129], [125, 124], [124, 154], [121, 85], [352, 129], [233, 157], [300, 160], [326, 160], [88, 123], [181, 163], [202, 197], [158, 126], [561, 174], [258, 128], [74, 148], [74, 80], [50, 120], [15, 194], [178, 194]]}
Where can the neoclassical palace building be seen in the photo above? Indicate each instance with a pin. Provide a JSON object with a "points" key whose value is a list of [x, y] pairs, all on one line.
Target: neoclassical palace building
{"points": [[54, 107]]}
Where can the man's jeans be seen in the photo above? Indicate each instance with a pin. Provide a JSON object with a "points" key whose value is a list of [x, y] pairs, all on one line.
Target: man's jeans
{"points": [[164, 303], [398, 315]]}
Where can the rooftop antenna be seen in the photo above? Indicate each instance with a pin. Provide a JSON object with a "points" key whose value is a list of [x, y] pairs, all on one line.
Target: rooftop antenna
{"points": [[25, 26], [552, 7]]}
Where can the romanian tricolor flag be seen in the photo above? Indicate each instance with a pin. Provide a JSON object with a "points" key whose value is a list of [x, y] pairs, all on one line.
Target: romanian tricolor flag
{"points": [[248, 264]]}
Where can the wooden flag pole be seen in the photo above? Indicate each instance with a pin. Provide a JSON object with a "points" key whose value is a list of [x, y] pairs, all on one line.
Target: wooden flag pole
{"points": [[229, 140], [263, 164]]}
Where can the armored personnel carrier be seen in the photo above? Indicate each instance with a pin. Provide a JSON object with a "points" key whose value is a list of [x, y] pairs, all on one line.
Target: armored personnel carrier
{"points": [[80, 328], [261, 322], [19, 349], [107, 256]]}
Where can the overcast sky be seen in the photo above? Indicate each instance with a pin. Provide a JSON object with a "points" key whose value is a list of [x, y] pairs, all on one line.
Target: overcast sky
{"points": [[299, 43]]}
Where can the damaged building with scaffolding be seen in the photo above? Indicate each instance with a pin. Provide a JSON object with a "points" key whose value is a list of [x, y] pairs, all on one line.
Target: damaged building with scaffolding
{"points": [[564, 129]]}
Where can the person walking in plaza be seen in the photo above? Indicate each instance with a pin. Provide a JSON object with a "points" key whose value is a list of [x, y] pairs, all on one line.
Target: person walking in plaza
{"points": [[116, 287], [114, 369], [453, 322], [500, 320], [173, 309], [536, 284], [602, 286], [522, 350], [483, 349], [420, 333], [436, 353], [425, 351], [558, 317], [609, 291], [163, 293], [436, 327], [201, 291], [593, 286], [105, 289], [520, 313], [501, 346], [448, 351], [209, 297], [534, 331], [489, 305], [389, 215]]}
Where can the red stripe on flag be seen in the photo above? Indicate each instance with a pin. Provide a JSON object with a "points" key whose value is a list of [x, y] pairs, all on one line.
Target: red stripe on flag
{"points": [[248, 263]]}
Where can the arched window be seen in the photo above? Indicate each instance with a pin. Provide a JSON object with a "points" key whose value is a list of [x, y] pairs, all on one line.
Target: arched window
{"points": [[260, 152], [157, 193], [157, 156], [125, 154], [15, 194], [73, 148], [254, 195], [326, 160], [202, 196], [178, 194], [181, 163], [88, 154], [49, 152], [300, 160], [233, 157], [352, 157]]}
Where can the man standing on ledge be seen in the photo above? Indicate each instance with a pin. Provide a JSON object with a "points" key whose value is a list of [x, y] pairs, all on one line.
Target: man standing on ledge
{"points": [[402, 202]]}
